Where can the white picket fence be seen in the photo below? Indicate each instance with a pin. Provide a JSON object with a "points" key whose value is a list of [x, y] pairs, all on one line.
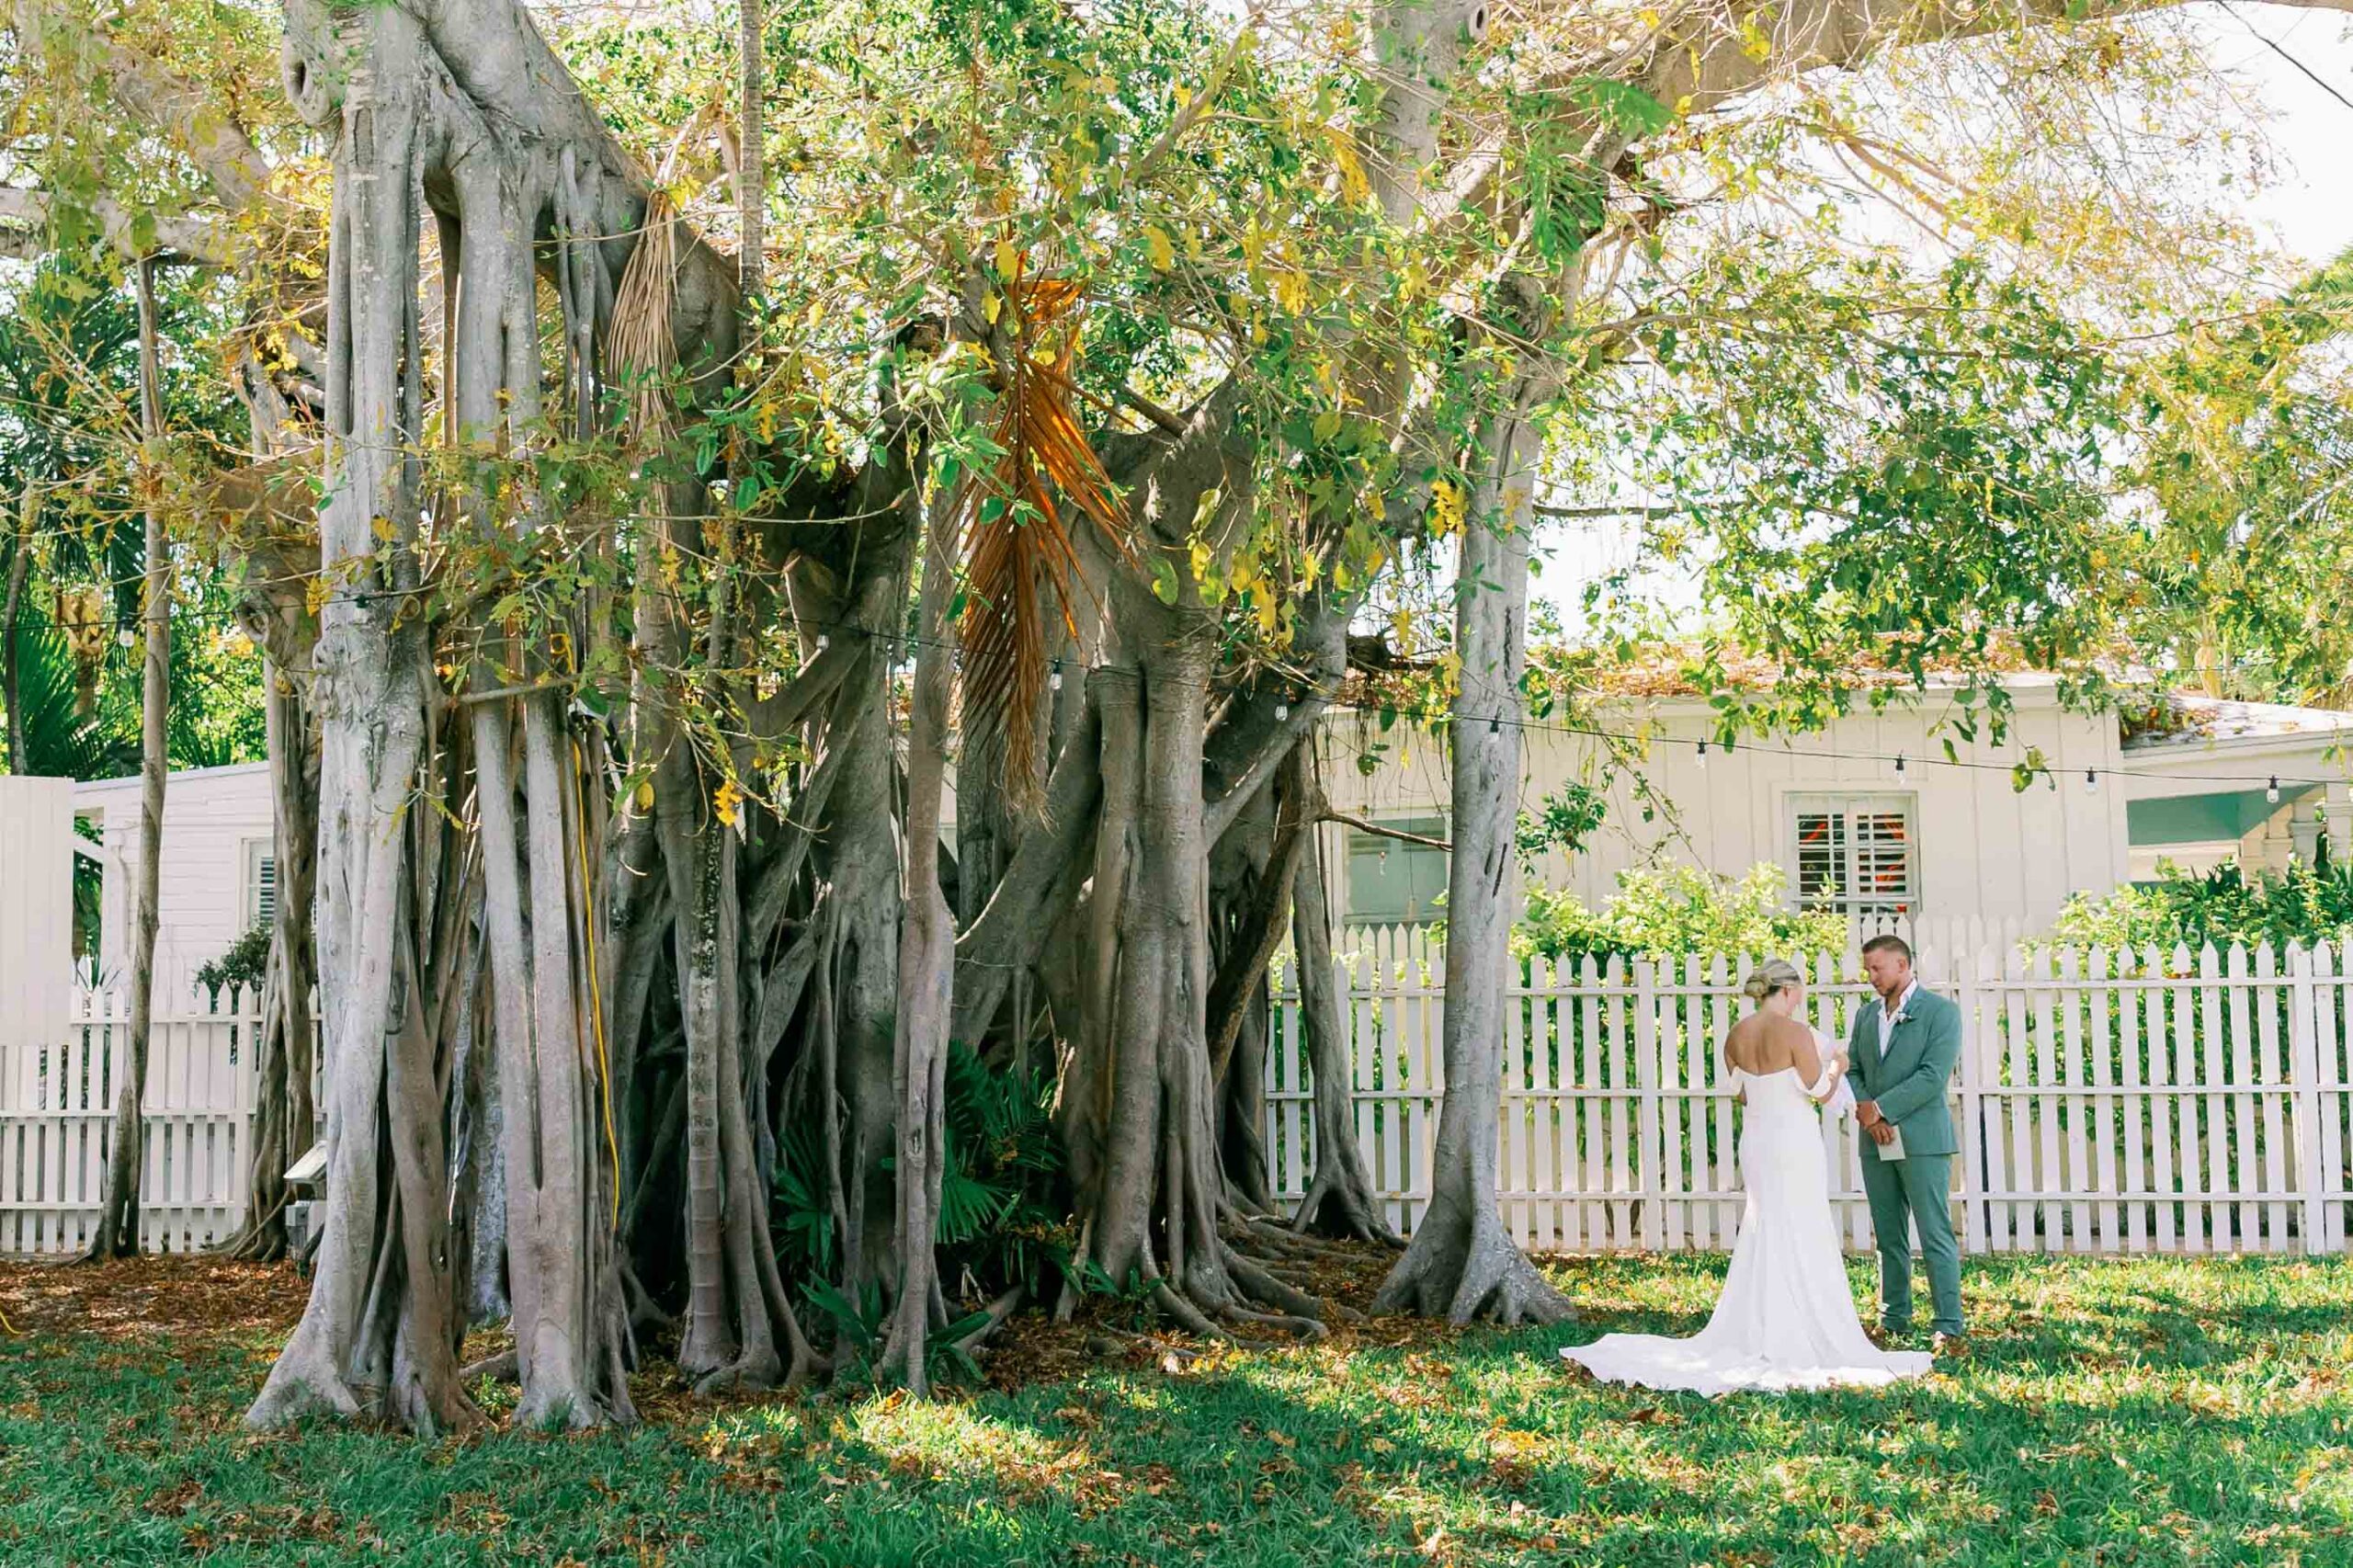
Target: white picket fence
{"points": [[57, 1119], [2109, 1102]]}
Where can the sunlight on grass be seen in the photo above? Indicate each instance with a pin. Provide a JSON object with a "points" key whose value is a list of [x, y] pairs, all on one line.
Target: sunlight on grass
{"points": [[937, 1441]]}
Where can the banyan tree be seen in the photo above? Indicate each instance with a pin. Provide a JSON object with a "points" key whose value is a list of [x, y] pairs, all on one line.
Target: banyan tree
{"points": [[640, 572]]}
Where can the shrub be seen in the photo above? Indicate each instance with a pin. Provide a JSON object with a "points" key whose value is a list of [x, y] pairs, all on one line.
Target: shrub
{"points": [[1671, 911], [2222, 907], [243, 965]]}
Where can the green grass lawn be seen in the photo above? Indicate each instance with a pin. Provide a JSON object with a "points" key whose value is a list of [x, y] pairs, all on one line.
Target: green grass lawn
{"points": [[2150, 1412]]}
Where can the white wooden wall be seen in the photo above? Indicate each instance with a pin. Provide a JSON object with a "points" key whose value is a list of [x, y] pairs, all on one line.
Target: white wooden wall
{"points": [[36, 906], [57, 1117], [211, 814], [2107, 1103], [1985, 849]]}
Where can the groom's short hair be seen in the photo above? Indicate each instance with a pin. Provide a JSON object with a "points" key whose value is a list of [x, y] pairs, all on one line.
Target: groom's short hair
{"points": [[1889, 942]]}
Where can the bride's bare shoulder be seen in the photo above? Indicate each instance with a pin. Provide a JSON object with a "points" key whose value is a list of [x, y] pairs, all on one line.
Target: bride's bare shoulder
{"points": [[1767, 1042]]}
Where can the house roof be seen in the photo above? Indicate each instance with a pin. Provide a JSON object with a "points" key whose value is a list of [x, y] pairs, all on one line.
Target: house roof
{"points": [[1666, 673], [2188, 720]]}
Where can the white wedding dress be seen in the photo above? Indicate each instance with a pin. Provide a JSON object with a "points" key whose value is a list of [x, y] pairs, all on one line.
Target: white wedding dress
{"points": [[1785, 1320]]}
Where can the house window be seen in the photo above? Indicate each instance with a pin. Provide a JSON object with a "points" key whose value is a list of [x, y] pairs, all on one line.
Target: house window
{"points": [[261, 883], [1392, 881], [1854, 854]]}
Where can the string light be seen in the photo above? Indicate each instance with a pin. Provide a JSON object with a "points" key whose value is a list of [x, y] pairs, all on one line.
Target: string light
{"points": [[1899, 765], [1703, 754], [2271, 793], [1054, 681], [1728, 744], [1282, 712], [2091, 780]]}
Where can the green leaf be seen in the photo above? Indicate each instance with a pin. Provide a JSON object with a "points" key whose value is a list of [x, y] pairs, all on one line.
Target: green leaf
{"points": [[1622, 104], [1164, 580]]}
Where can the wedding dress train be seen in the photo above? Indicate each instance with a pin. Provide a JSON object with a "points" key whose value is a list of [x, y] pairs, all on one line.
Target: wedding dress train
{"points": [[1785, 1320]]}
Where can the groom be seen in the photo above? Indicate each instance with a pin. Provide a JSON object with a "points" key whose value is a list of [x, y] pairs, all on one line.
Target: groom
{"points": [[1903, 1050]]}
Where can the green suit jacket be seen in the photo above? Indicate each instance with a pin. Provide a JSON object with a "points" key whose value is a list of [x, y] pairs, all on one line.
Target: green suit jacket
{"points": [[1908, 1082]]}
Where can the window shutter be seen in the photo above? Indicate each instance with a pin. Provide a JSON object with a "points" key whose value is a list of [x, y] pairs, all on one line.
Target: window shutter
{"points": [[1822, 857], [1854, 854], [264, 889]]}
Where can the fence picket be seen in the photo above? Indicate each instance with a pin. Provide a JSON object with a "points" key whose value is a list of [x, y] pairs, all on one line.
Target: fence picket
{"points": [[2214, 1178], [1521, 1214], [2328, 1090], [2130, 1106], [2243, 1178], [2274, 1153]]}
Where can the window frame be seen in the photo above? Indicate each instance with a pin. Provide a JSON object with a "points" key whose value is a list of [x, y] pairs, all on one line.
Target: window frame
{"points": [[257, 853], [1849, 805]]}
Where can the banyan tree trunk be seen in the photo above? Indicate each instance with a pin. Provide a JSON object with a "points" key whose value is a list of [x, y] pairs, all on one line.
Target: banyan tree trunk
{"points": [[486, 130], [285, 1118], [1461, 1261], [1339, 1199], [378, 1329]]}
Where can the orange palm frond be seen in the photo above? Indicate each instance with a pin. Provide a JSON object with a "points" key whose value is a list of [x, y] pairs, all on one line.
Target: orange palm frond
{"points": [[1020, 549]]}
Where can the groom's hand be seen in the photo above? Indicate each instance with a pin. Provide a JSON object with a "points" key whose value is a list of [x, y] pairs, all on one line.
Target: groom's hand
{"points": [[1866, 1113], [1882, 1133]]}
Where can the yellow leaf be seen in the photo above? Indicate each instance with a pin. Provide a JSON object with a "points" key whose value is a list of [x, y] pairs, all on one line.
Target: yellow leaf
{"points": [[1008, 260], [1353, 185], [1161, 250], [1291, 291], [1446, 508], [991, 306], [645, 796]]}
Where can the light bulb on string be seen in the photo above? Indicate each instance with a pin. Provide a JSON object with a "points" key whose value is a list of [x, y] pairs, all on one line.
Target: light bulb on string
{"points": [[1899, 765], [1282, 712], [2271, 791], [2091, 780], [823, 641], [1054, 681], [1703, 753]]}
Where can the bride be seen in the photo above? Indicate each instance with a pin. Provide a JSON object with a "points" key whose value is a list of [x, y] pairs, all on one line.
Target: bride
{"points": [[1785, 1319]]}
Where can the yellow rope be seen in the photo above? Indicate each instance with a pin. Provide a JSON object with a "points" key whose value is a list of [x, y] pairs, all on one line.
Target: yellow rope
{"points": [[596, 987], [11, 1327]]}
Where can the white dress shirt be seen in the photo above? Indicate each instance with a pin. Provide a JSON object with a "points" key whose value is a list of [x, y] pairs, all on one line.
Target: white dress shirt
{"points": [[1887, 1017]]}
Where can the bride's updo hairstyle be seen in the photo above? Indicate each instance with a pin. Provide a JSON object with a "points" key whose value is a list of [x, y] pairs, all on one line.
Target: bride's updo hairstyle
{"points": [[1771, 976]]}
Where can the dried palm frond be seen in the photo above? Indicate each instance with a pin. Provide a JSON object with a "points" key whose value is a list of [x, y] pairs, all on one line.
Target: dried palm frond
{"points": [[1020, 547]]}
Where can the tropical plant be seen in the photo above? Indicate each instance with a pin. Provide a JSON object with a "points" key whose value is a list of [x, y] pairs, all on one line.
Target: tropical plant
{"points": [[241, 965], [1670, 912], [2302, 904]]}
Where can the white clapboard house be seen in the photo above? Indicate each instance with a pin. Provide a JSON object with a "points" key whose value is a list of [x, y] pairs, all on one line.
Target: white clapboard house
{"points": [[1869, 815], [218, 875]]}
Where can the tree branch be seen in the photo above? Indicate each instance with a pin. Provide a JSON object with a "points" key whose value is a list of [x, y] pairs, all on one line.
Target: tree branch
{"points": [[1332, 813]]}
